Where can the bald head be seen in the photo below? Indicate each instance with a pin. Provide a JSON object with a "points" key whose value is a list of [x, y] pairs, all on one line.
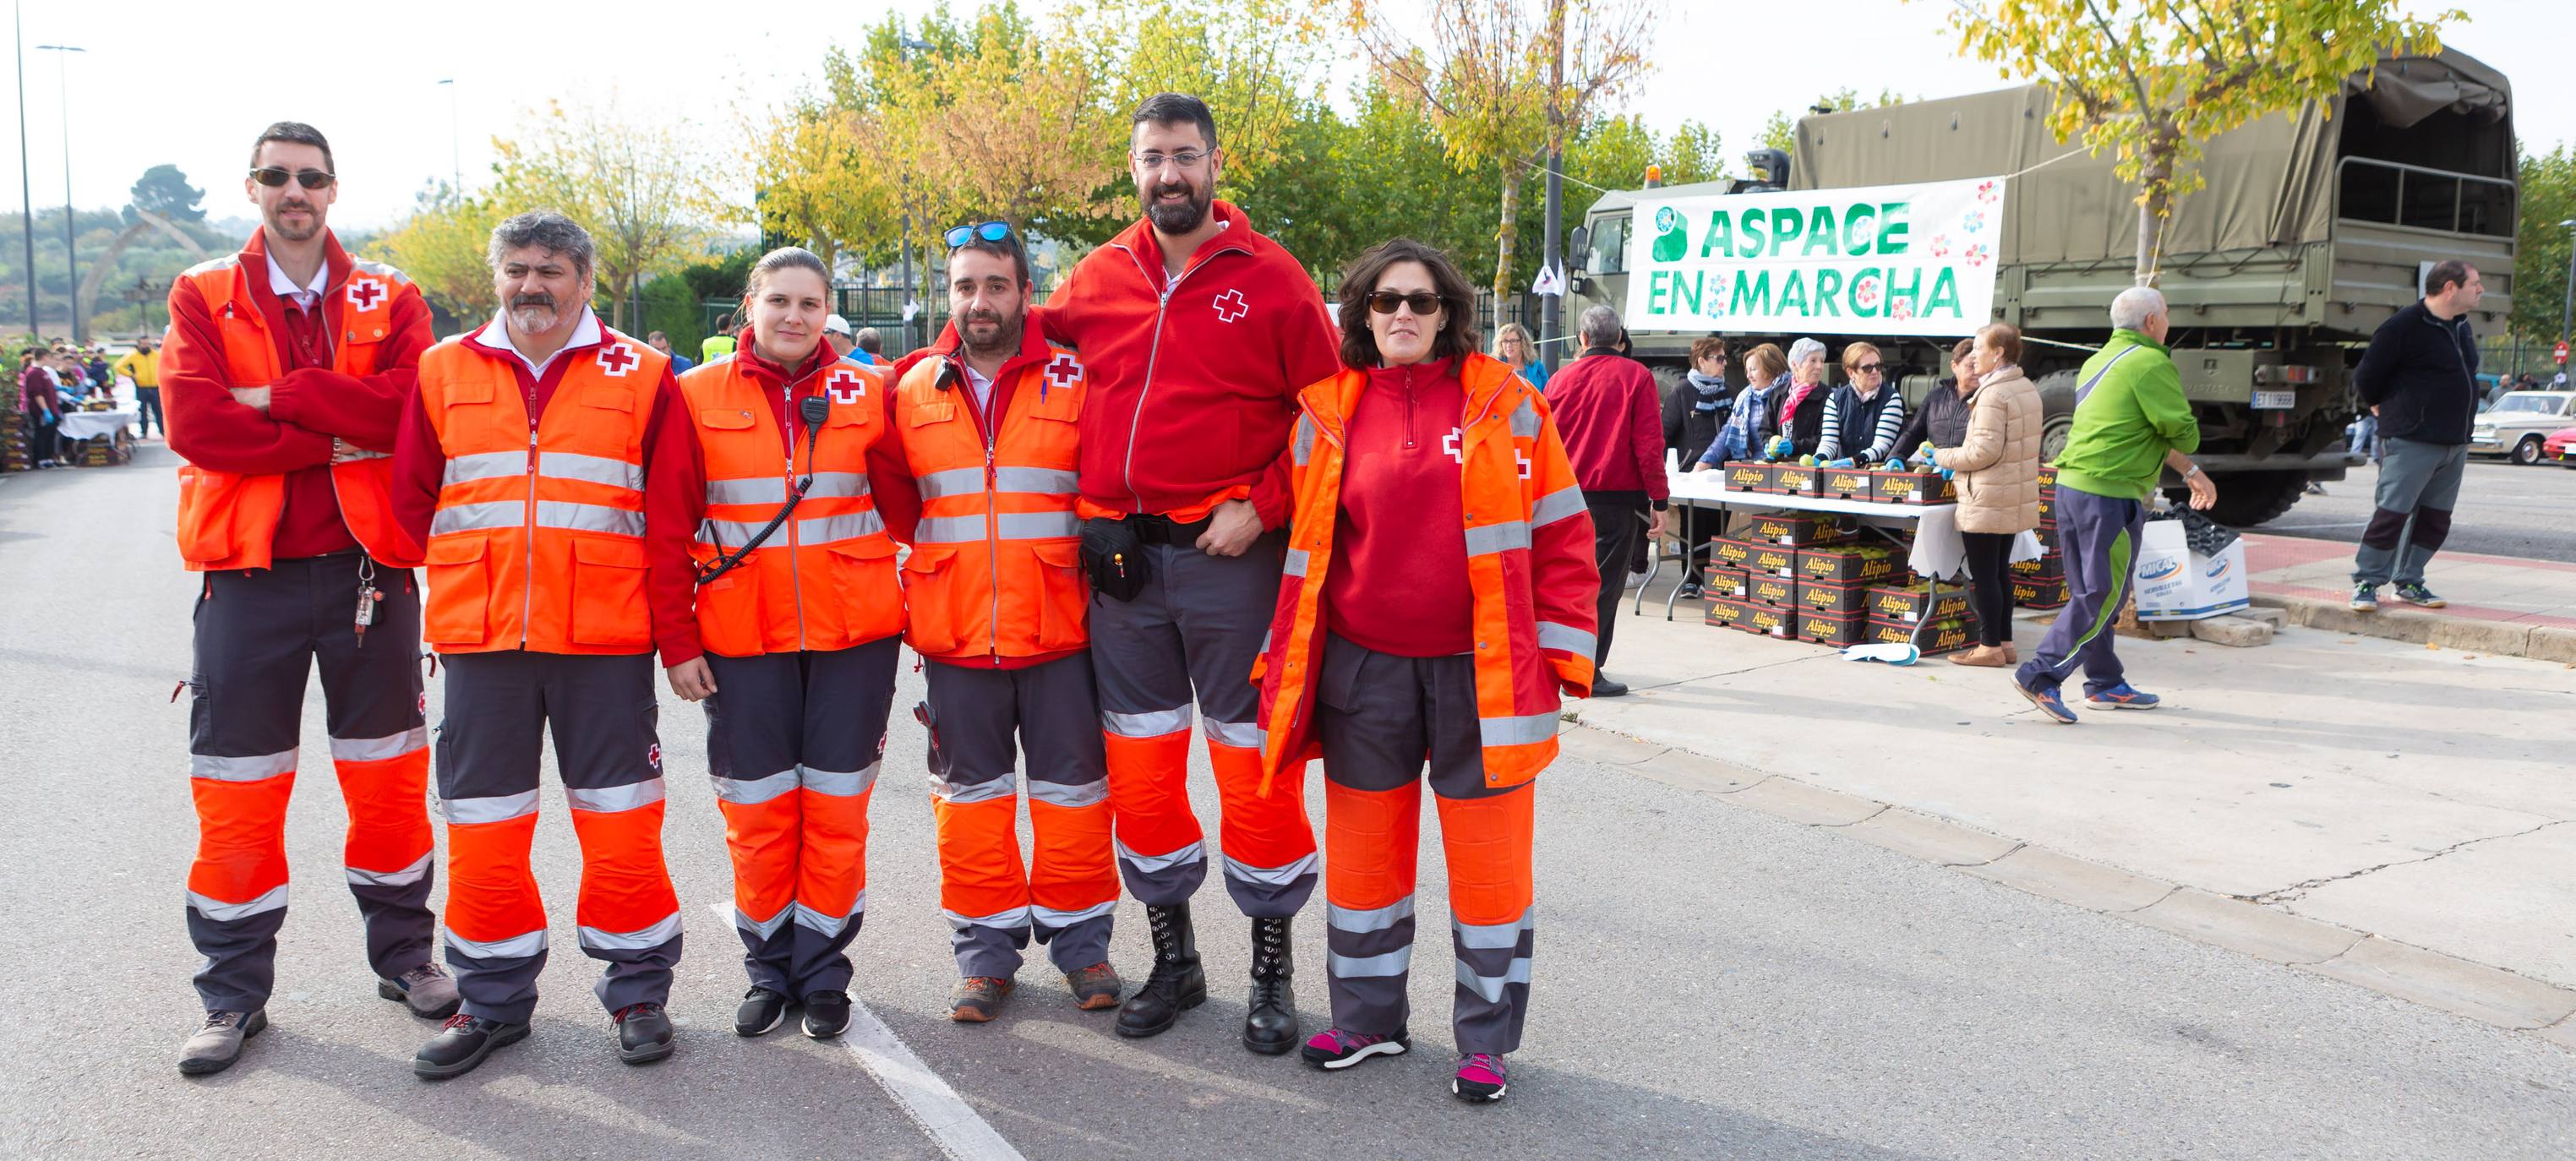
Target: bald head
{"points": [[2141, 309]]}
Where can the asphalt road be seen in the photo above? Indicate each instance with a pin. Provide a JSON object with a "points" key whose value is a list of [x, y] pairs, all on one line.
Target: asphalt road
{"points": [[2504, 510], [1711, 982]]}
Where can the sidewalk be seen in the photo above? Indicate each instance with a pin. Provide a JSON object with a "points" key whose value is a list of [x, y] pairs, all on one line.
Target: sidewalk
{"points": [[2499, 604], [2327, 801]]}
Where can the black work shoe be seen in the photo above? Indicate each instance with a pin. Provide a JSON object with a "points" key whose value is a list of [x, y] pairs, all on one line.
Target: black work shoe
{"points": [[218, 1042], [826, 1014], [1095, 987], [461, 1044], [1178, 982], [427, 991], [1604, 687], [762, 1010], [643, 1033], [1270, 1018]]}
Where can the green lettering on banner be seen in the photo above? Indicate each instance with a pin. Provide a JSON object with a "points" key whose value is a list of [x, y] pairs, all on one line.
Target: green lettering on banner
{"points": [[1853, 243], [1861, 309], [1686, 290], [1752, 291], [1820, 232], [1828, 284], [1751, 246], [1911, 292], [1892, 227], [1721, 237], [1794, 290], [1659, 292], [1945, 292], [1787, 223]]}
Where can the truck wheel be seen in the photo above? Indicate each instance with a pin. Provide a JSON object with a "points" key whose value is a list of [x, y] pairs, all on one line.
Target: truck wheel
{"points": [[2527, 452], [2057, 413], [2246, 499]]}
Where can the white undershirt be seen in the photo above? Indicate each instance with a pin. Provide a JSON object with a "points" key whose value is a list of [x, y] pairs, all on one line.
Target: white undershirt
{"points": [[981, 385], [498, 335], [283, 286]]}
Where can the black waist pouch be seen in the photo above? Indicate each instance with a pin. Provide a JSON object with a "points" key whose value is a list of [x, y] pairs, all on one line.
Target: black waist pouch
{"points": [[1114, 558]]}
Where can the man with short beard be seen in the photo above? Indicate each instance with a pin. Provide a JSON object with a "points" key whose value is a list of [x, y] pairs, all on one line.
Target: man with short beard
{"points": [[521, 467], [285, 377]]}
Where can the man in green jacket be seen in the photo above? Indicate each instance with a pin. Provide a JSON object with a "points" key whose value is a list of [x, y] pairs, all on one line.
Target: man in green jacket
{"points": [[2131, 423]]}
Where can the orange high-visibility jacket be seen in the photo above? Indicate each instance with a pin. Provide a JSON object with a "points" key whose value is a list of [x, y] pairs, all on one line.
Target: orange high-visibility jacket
{"points": [[228, 520], [538, 542], [995, 571], [825, 579], [1529, 554]]}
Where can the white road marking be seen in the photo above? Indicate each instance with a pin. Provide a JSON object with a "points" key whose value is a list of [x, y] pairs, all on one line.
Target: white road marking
{"points": [[951, 1124]]}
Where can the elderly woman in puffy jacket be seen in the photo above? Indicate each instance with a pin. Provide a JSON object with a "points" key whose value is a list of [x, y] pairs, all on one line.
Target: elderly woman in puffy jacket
{"points": [[1997, 466]]}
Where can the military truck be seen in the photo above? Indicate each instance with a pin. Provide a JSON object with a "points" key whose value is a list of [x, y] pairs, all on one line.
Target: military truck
{"points": [[2313, 229]]}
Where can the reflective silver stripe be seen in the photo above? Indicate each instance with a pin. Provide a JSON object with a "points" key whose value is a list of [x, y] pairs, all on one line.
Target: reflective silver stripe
{"points": [[1525, 417], [485, 466], [1150, 724], [232, 912], [829, 925], [251, 768], [472, 517], [1485, 539], [1557, 505], [1195, 852], [1304, 447], [1491, 987], [1371, 919], [1273, 876], [736, 533], [1036, 525], [763, 928], [378, 269], [638, 940], [1566, 637], [1050, 917], [953, 482], [1046, 481], [950, 530], [402, 878], [379, 749], [836, 486], [500, 808], [1519, 731], [754, 791], [590, 469], [987, 790], [1393, 963], [588, 518], [1070, 796], [1296, 565], [846, 526], [749, 490], [839, 783], [613, 799], [1011, 920], [1493, 936], [1240, 735], [515, 947]]}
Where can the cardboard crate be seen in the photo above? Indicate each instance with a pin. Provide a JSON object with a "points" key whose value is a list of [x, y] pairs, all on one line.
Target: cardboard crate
{"points": [[1846, 484], [1747, 476], [2174, 583], [1769, 620], [1945, 636], [1830, 628], [2050, 566], [1724, 583], [1911, 603], [1794, 479], [1909, 487], [1830, 597], [2039, 594], [2047, 477], [1799, 529], [2048, 506], [1724, 612], [2047, 534], [1769, 559], [1847, 563], [1766, 589]]}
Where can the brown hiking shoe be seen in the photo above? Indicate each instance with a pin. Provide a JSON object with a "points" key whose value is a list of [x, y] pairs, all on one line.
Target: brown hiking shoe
{"points": [[1095, 987], [977, 999], [1981, 656]]}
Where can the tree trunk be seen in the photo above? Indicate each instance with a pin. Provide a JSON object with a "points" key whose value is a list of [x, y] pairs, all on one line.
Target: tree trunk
{"points": [[1509, 232], [2156, 184]]}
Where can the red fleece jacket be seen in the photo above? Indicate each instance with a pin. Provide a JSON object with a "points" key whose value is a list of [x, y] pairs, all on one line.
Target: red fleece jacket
{"points": [[1612, 420], [1398, 583]]}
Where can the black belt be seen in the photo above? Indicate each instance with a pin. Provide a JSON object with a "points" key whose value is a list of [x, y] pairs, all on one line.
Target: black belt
{"points": [[1154, 529]]}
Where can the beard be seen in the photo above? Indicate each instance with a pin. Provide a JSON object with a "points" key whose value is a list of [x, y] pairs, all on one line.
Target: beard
{"points": [[1176, 217], [1005, 337], [534, 314], [312, 221]]}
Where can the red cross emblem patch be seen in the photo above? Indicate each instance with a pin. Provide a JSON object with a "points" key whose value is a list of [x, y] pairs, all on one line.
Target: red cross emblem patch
{"points": [[845, 387], [365, 292], [617, 359], [1062, 371], [1230, 305]]}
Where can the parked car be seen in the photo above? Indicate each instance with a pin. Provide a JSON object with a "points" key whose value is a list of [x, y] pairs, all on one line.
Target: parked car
{"points": [[2520, 423], [2560, 446]]}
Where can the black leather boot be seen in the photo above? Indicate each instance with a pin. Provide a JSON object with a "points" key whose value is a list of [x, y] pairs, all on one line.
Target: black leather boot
{"points": [[1178, 983], [1270, 1026]]}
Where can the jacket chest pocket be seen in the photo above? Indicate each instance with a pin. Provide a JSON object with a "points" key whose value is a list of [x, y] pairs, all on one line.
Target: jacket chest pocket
{"points": [[604, 422], [931, 608], [460, 591], [608, 593]]}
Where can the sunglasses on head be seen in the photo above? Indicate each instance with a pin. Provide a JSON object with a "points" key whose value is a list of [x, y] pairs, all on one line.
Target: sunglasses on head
{"points": [[1423, 302], [273, 176], [988, 231]]}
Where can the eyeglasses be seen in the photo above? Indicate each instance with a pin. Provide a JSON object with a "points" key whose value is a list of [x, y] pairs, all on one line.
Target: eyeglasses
{"points": [[1186, 159], [988, 231], [274, 176], [1423, 302], [1869, 368]]}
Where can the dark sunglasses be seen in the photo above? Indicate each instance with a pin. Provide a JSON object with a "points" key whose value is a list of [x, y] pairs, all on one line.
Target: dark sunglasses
{"points": [[1869, 368], [1423, 302], [274, 176], [988, 231]]}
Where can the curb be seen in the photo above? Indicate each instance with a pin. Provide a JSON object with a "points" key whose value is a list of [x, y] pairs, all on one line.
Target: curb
{"points": [[2493, 638], [2489, 995]]}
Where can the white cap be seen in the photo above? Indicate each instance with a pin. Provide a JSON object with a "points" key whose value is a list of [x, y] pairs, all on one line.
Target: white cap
{"points": [[837, 325]]}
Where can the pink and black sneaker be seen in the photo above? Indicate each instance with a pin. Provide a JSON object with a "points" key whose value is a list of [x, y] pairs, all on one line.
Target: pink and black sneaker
{"points": [[1334, 1048], [1480, 1078]]}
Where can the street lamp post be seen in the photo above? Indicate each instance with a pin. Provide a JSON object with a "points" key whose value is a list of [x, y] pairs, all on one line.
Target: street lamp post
{"points": [[909, 44], [71, 233], [26, 182]]}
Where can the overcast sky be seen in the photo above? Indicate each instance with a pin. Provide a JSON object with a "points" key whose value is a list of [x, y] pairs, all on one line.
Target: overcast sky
{"points": [[165, 82]]}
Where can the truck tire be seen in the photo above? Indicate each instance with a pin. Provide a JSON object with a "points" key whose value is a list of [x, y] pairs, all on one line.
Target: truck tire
{"points": [[2056, 411], [2246, 499]]}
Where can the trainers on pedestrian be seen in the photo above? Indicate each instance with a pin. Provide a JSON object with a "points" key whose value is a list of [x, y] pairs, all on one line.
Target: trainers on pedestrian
{"points": [[977, 999], [461, 1044], [1334, 1048], [2049, 701], [643, 1033], [2122, 696], [429, 992], [1096, 987], [826, 1013], [217, 1043], [2418, 595], [1479, 1079], [761, 1012], [2365, 598]]}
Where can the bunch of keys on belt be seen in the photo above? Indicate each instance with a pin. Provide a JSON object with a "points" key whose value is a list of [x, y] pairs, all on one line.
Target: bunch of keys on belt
{"points": [[368, 595]]}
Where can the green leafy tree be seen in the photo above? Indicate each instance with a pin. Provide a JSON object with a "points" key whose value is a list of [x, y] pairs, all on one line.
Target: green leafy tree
{"points": [[165, 191], [2540, 253], [1781, 131]]}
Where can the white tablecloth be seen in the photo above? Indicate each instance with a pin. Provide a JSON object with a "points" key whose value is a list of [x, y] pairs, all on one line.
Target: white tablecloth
{"points": [[1938, 550], [91, 424]]}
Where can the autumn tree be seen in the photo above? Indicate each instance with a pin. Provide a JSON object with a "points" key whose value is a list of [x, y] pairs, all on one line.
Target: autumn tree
{"points": [[1781, 131], [441, 246], [633, 182], [820, 182], [1008, 125], [2150, 80], [2541, 252]]}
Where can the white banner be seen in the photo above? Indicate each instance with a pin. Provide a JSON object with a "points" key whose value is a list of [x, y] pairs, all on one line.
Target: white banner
{"points": [[1885, 260]]}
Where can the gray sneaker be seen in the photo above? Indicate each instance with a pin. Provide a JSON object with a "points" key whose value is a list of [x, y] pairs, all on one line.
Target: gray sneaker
{"points": [[217, 1044], [2365, 598], [429, 992]]}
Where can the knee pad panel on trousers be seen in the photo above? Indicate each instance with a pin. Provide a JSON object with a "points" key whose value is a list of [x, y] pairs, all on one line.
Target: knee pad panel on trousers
{"points": [[241, 839], [764, 839], [1270, 832], [1488, 843], [625, 886], [1372, 845], [491, 893], [2432, 527], [1149, 792], [2385, 527], [388, 808], [979, 859], [832, 867], [1072, 869]]}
